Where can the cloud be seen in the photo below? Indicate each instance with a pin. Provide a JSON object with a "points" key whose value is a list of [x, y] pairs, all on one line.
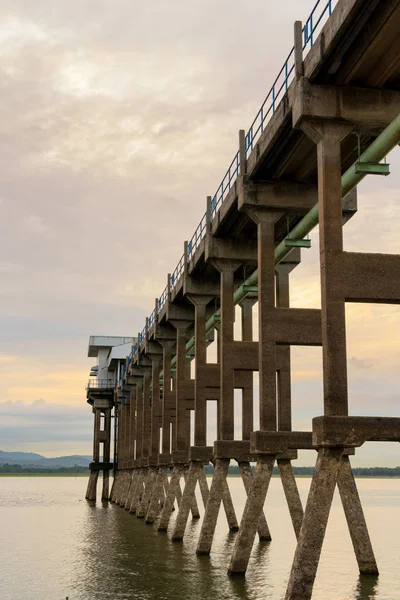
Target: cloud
{"points": [[359, 363], [114, 127], [45, 427]]}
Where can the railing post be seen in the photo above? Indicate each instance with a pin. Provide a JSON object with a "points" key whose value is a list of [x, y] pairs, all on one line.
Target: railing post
{"points": [[146, 331], [169, 286], [185, 257], [208, 215], [242, 152], [138, 348], [156, 311], [298, 50]]}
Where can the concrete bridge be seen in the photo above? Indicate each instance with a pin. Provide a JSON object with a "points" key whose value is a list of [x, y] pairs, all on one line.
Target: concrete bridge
{"points": [[331, 116]]}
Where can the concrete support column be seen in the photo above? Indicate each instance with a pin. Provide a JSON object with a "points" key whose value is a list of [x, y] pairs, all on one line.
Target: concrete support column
{"points": [[96, 443], [155, 406], [92, 486], [157, 496], [284, 399], [194, 507], [218, 334], [174, 418], [227, 270], [138, 490], [219, 491], [106, 453], [181, 440], [148, 490], [331, 243], [247, 478], [132, 489], [121, 435], [168, 404], [275, 400], [328, 136], [266, 303], [251, 515], [173, 493], [228, 506], [125, 424], [131, 444], [312, 533], [200, 402], [247, 393], [181, 422], [91, 491], [204, 491], [117, 446], [146, 427], [133, 423], [291, 493], [355, 519], [128, 439], [186, 504], [139, 420], [187, 427], [212, 509]]}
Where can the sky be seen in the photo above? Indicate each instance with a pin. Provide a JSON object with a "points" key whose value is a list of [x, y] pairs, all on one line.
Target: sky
{"points": [[117, 120]]}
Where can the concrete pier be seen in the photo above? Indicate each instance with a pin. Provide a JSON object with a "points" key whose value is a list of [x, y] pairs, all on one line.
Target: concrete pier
{"points": [[331, 122]]}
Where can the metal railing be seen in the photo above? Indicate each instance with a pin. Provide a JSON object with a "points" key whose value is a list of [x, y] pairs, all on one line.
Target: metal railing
{"points": [[177, 271], [278, 89], [152, 318], [319, 15], [163, 298], [198, 235], [225, 185], [101, 384], [316, 20]]}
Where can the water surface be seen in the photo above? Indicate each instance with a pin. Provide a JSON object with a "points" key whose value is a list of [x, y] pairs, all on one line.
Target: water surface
{"points": [[53, 545]]}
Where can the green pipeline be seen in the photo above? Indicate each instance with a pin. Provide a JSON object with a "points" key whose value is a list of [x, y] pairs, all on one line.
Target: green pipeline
{"points": [[384, 143]]}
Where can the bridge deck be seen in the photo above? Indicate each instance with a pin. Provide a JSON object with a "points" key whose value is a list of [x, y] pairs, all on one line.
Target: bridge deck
{"points": [[358, 46]]}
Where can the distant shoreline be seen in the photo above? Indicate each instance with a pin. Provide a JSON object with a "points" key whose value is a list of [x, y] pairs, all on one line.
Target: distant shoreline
{"points": [[44, 474], [234, 475]]}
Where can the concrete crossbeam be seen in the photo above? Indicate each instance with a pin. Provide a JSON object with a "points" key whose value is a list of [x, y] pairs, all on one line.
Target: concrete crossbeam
{"points": [[203, 454], [100, 466], [164, 459], [279, 442], [180, 456], [367, 277], [281, 196], [296, 326], [354, 431], [365, 108], [238, 450]]}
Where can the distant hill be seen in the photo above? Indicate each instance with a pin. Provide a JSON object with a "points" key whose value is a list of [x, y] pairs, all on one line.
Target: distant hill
{"points": [[30, 459], [7, 456]]}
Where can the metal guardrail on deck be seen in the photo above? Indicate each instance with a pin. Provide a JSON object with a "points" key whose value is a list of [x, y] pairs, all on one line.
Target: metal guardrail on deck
{"points": [[314, 23], [100, 384]]}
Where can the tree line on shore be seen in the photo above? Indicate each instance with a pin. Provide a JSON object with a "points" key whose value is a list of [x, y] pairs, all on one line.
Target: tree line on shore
{"points": [[233, 470], [18, 469]]}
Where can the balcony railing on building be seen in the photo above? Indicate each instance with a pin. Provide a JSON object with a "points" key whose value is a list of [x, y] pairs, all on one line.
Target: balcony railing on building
{"points": [[100, 384]]}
